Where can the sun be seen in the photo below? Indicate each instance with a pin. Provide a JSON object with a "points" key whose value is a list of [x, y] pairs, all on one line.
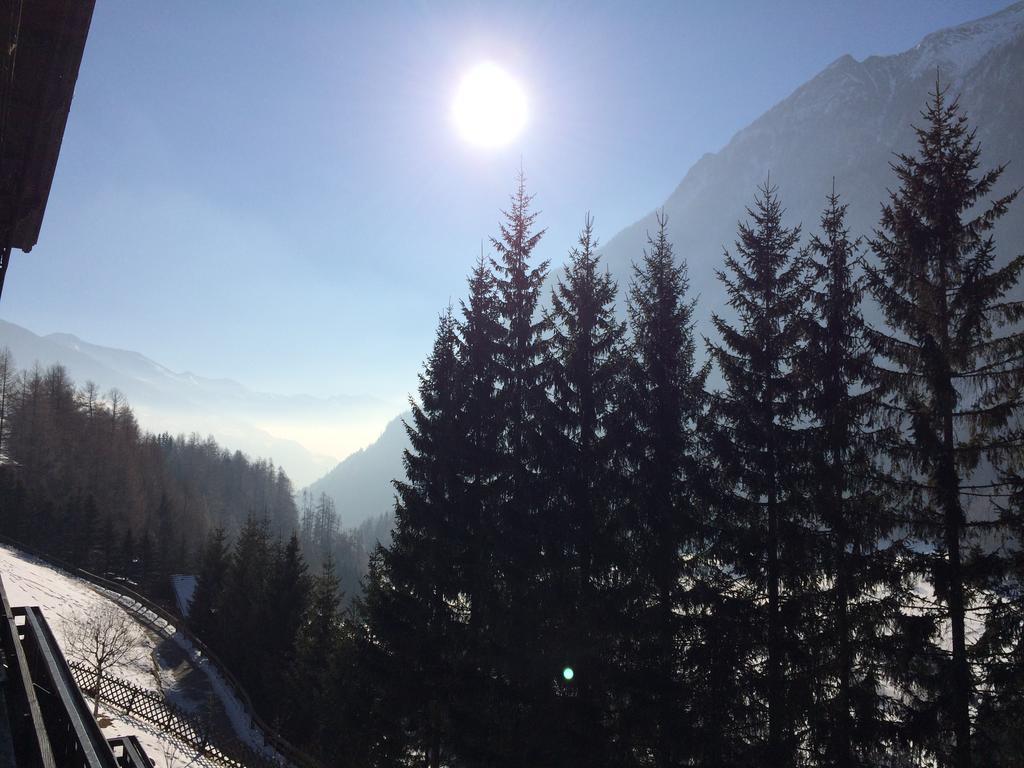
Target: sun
{"points": [[490, 106]]}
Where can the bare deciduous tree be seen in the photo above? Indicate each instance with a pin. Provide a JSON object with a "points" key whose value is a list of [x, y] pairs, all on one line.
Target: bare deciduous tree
{"points": [[107, 638]]}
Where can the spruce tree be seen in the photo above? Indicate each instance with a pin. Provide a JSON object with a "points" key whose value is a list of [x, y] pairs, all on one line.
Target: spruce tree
{"points": [[288, 596], [857, 556], [203, 616], [312, 714], [368, 731], [950, 377], [764, 517], [579, 532], [243, 604], [525, 672], [659, 442], [476, 534], [416, 608]]}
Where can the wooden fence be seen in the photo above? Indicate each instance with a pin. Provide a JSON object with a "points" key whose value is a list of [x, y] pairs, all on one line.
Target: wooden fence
{"points": [[136, 701]]}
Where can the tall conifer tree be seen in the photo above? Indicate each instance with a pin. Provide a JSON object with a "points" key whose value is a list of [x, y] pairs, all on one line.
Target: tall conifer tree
{"points": [[857, 558], [312, 713], [525, 671], [287, 599], [763, 519], [480, 454], [951, 379], [203, 609], [660, 442], [243, 604], [416, 609], [579, 534]]}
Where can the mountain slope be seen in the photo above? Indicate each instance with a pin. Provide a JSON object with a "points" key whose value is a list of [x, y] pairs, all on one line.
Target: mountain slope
{"points": [[361, 484], [303, 434], [846, 122]]}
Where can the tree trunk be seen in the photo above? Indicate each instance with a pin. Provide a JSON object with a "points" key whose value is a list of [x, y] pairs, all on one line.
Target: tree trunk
{"points": [[843, 727], [775, 695], [961, 670], [948, 482], [843, 750], [96, 698], [665, 718]]}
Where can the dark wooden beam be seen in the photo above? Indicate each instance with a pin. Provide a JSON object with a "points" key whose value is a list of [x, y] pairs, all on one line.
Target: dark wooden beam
{"points": [[41, 47]]}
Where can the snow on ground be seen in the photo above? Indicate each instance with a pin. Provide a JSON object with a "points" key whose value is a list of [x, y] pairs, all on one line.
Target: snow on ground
{"points": [[66, 600], [172, 667], [164, 748], [240, 720], [184, 587], [963, 46]]}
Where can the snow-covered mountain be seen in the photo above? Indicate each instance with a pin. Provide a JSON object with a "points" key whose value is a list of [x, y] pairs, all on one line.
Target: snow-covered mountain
{"points": [[846, 123], [306, 435]]}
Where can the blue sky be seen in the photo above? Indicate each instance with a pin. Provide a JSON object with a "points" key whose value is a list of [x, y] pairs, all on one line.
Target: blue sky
{"points": [[274, 192]]}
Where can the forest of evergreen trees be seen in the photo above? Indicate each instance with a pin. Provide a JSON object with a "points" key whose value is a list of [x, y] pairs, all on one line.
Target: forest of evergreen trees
{"points": [[795, 543], [801, 548], [80, 480], [82, 483]]}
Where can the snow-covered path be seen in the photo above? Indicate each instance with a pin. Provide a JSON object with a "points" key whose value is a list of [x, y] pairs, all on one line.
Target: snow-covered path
{"points": [[172, 666], [66, 600]]}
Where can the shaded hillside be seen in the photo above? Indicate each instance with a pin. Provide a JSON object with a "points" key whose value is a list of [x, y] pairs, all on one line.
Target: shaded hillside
{"points": [[81, 480], [302, 433], [361, 484], [846, 122]]}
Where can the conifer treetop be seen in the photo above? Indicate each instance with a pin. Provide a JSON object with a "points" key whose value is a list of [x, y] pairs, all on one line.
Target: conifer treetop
{"points": [[517, 239], [936, 279]]}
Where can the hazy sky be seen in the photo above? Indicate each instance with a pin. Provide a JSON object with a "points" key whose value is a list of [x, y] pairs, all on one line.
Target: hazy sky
{"points": [[275, 193]]}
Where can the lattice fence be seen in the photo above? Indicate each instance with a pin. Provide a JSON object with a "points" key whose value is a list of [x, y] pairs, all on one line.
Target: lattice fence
{"points": [[134, 700]]}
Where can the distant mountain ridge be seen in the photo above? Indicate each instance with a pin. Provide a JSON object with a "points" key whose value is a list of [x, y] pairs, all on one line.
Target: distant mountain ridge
{"points": [[846, 123], [284, 428]]}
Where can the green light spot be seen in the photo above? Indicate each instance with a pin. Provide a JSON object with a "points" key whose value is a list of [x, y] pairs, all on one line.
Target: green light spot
{"points": [[568, 674]]}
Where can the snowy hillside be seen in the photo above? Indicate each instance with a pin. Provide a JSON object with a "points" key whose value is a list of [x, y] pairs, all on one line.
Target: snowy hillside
{"points": [[170, 667], [957, 50]]}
